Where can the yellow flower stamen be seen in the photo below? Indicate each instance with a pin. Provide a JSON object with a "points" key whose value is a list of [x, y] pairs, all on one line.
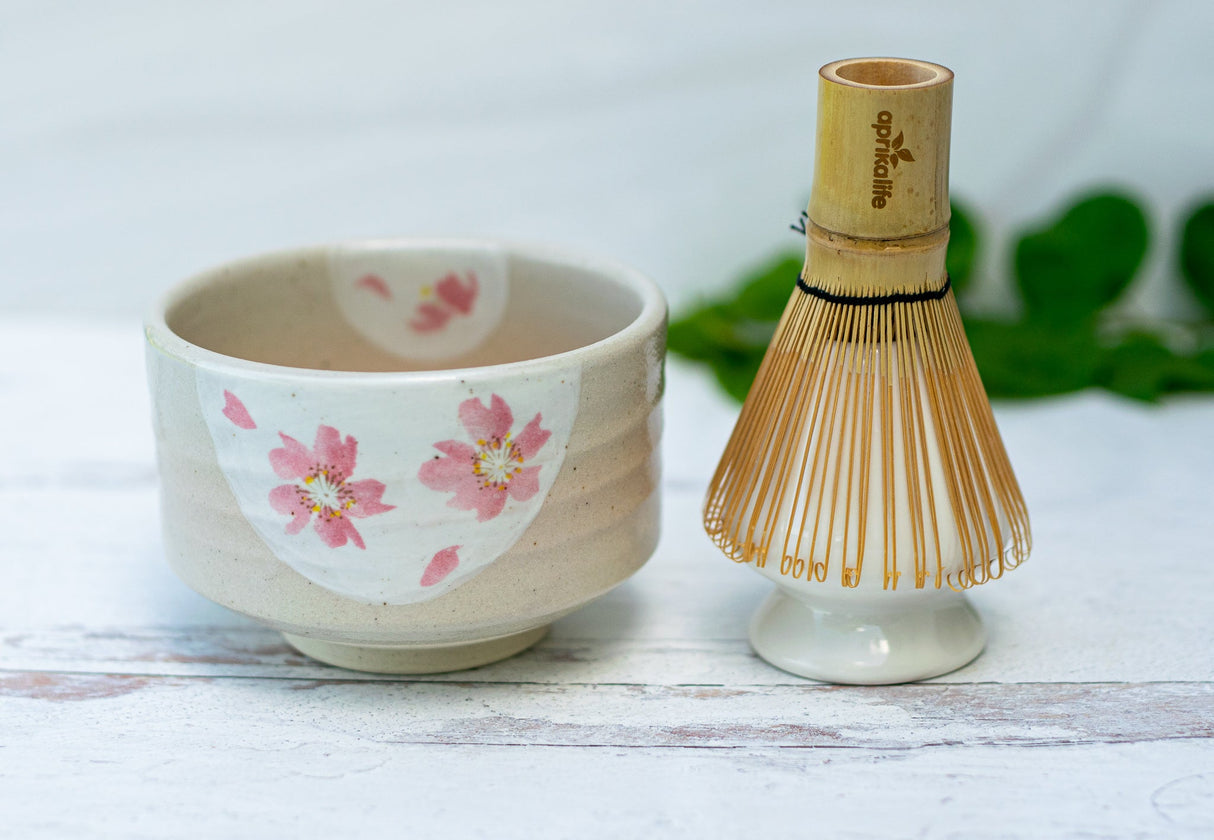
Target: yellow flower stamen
{"points": [[497, 462]]}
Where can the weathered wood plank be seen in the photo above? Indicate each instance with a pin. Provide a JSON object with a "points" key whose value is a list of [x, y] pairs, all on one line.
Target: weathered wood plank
{"points": [[131, 707], [243, 759], [78, 510], [76, 404], [110, 579], [887, 718], [254, 651]]}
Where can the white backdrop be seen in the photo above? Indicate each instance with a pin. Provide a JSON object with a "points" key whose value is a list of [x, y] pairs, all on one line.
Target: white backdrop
{"points": [[143, 141]]}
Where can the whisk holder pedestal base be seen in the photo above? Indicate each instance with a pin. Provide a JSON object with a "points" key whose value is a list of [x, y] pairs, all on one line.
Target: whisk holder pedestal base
{"points": [[828, 638]]}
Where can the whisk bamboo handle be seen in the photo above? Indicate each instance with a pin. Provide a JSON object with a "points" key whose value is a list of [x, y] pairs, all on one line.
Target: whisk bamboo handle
{"points": [[881, 166], [872, 268]]}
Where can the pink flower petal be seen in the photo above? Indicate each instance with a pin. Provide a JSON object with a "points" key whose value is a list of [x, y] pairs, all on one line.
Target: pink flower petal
{"points": [[375, 284], [532, 438], [447, 473], [526, 484], [293, 460], [429, 317], [235, 411], [457, 449], [484, 423], [286, 499], [331, 452], [472, 494], [452, 476], [336, 530], [441, 564], [367, 494], [487, 501], [456, 294]]}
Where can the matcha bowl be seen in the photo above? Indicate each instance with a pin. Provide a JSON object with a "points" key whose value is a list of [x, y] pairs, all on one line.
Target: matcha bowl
{"points": [[409, 456]]}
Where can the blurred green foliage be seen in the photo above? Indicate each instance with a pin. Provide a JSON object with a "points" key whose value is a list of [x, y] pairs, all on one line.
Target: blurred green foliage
{"points": [[1068, 272]]}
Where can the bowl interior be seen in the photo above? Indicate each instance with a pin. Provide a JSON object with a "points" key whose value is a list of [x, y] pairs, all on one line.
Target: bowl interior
{"points": [[281, 309]]}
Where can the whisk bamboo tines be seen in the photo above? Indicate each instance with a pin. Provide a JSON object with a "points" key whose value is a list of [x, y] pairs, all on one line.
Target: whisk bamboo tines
{"points": [[867, 437]]}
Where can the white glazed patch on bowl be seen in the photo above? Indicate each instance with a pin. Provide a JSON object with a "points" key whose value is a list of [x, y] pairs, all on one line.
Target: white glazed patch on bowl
{"points": [[420, 303], [390, 497]]}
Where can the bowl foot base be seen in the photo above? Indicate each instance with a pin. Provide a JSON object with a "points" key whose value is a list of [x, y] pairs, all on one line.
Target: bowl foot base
{"points": [[836, 642], [416, 659]]}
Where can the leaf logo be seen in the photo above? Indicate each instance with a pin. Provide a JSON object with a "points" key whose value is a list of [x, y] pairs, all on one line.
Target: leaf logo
{"points": [[888, 152], [899, 152]]}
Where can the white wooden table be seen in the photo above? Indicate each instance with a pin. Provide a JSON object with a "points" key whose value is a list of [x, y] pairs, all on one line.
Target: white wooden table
{"points": [[131, 707]]}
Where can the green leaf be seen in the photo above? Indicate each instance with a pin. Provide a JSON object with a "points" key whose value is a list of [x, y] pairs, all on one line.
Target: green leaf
{"points": [[1028, 359], [1199, 372], [736, 373], [765, 292], [1197, 254], [1191, 373], [1142, 367], [688, 337], [1070, 270], [707, 332], [731, 335], [1138, 367], [962, 247], [1067, 272]]}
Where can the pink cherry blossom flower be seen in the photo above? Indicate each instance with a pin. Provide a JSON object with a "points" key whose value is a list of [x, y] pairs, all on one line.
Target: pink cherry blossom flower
{"points": [[455, 297], [484, 474], [456, 294], [322, 487], [429, 317]]}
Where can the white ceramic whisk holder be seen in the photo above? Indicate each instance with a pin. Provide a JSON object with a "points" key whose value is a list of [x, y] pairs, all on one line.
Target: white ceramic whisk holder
{"points": [[853, 636], [882, 628]]}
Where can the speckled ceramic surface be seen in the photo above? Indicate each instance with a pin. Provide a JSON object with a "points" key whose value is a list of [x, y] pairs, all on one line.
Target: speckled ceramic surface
{"points": [[409, 455]]}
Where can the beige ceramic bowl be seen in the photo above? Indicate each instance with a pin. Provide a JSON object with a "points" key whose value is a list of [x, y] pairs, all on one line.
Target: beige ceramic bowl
{"points": [[409, 456]]}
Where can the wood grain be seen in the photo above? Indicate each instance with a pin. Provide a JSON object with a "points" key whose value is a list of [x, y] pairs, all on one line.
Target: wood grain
{"points": [[131, 708], [604, 715]]}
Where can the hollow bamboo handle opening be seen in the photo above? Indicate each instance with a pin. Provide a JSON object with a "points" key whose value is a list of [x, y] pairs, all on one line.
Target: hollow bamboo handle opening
{"points": [[881, 161]]}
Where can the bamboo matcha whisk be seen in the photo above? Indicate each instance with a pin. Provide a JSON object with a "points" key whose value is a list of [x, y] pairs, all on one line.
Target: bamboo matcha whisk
{"points": [[867, 438]]}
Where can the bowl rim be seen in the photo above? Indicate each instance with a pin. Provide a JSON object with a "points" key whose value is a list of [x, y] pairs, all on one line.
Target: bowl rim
{"points": [[648, 321]]}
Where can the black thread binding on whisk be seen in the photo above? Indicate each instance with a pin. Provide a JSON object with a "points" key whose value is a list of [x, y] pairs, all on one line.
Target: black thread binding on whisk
{"points": [[876, 300]]}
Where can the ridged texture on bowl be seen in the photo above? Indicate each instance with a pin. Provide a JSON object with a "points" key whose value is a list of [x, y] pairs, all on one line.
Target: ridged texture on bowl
{"points": [[597, 526]]}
